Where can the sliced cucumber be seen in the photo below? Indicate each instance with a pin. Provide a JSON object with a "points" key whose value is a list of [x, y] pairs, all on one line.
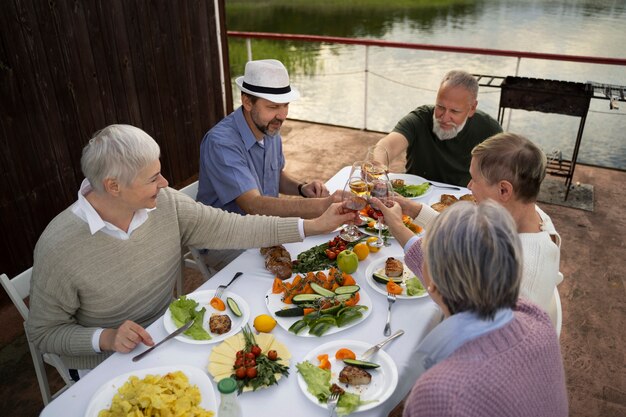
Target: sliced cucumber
{"points": [[298, 326], [321, 290], [348, 289], [383, 279], [361, 364], [305, 298], [290, 312], [332, 310], [232, 304]]}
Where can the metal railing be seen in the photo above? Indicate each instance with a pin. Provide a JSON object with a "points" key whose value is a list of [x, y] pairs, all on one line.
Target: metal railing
{"points": [[614, 93]]}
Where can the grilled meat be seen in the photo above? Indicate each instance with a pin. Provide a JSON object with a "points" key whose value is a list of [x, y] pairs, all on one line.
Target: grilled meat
{"points": [[468, 197], [337, 388], [352, 375], [219, 323], [393, 267], [278, 261], [448, 199]]}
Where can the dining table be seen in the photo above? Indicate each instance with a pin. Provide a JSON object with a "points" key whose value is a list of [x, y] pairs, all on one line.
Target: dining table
{"points": [[417, 317]]}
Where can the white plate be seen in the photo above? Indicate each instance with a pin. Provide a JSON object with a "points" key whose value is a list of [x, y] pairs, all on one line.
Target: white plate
{"points": [[203, 298], [380, 264], [410, 179], [274, 303], [437, 198], [384, 378], [102, 399]]}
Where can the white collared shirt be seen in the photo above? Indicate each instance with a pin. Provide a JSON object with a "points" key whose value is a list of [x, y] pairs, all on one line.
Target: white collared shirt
{"points": [[85, 211]]}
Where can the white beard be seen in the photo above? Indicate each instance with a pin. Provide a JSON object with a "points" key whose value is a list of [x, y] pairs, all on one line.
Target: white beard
{"points": [[446, 134]]}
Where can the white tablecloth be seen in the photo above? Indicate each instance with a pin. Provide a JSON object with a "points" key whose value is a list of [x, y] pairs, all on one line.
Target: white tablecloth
{"points": [[416, 317]]}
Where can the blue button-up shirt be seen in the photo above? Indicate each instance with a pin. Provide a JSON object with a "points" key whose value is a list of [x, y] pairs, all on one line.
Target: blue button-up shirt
{"points": [[232, 162]]}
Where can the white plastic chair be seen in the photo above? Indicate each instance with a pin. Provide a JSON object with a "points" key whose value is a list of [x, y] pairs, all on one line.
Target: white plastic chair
{"points": [[18, 289], [555, 312], [192, 258]]}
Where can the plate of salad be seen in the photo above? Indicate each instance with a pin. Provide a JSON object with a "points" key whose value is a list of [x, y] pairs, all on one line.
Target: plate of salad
{"points": [[318, 303], [321, 371], [234, 313], [405, 286], [410, 186]]}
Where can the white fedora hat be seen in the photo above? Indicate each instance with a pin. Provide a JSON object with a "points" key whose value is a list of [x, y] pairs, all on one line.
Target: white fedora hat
{"points": [[268, 79]]}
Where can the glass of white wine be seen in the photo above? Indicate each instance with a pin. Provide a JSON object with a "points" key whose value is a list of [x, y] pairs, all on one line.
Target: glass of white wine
{"points": [[354, 198], [377, 161], [382, 189]]}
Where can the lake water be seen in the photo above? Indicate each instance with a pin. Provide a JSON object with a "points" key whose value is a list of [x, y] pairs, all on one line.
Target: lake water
{"points": [[331, 78]]}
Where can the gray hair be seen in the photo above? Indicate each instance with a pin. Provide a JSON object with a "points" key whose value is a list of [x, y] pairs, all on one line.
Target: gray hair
{"points": [[117, 151], [474, 257], [458, 78], [513, 158]]}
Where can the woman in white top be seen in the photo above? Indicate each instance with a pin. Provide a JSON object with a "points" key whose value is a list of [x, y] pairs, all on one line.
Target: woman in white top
{"points": [[509, 169]]}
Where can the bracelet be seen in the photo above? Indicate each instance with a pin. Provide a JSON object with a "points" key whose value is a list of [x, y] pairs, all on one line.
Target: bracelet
{"points": [[302, 184]]}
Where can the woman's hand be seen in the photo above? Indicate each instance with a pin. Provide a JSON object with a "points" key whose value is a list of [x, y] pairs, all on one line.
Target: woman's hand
{"points": [[125, 338], [332, 218], [392, 216]]}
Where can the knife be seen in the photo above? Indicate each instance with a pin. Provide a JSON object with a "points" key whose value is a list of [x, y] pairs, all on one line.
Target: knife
{"points": [[168, 337], [371, 351]]}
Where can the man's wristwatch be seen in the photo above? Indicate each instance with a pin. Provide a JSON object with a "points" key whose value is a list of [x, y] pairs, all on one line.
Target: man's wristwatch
{"points": [[302, 184]]}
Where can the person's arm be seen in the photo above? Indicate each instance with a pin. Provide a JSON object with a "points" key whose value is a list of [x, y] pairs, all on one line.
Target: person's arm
{"points": [[396, 145], [289, 185], [252, 202]]}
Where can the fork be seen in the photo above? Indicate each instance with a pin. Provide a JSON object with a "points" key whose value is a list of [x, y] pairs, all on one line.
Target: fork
{"points": [[333, 399], [449, 187], [221, 288], [391, 298]]}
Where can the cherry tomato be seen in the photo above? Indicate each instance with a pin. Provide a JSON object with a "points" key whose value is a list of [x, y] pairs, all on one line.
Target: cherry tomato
{"points": [[249, 363], [251, 373], [238, 362], [255, 350], [240, 354], [250, 355], [272, 355], [331, 255], [240, 373]]}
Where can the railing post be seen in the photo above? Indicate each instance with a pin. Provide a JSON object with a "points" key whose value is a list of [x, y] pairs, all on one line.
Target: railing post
{"points": [[365, 88], [508, 120], [249, 48]]}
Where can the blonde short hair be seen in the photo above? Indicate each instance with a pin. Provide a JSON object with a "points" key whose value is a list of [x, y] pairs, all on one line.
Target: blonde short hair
{"points": [[513, 158]]}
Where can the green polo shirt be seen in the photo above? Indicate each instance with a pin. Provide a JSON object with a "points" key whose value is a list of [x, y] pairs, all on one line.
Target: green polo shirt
{"points": [[445, 161]]}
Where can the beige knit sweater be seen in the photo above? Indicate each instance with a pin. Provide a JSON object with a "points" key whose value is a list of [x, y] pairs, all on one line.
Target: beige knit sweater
{"points": [[82, 282]]}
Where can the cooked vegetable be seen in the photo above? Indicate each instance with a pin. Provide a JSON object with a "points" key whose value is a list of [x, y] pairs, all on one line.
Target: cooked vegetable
{"points": [[361, 364], [217, 304], [344, 353]]}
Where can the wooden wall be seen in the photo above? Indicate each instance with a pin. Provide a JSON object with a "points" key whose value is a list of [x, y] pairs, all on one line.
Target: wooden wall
{"points": [[70, 68]]}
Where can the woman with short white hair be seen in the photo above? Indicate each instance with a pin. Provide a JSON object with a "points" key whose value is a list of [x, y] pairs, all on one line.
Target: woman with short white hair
{"points": [[493, 355], [105, 268]]}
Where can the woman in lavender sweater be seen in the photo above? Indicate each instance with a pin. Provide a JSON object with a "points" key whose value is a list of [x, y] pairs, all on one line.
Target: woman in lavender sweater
{"points": [[493, 355]]}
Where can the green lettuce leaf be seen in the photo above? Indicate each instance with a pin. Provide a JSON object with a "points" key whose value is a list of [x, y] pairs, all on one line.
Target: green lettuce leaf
{"points": [[317, 380], [414, 287], [183, 310]]}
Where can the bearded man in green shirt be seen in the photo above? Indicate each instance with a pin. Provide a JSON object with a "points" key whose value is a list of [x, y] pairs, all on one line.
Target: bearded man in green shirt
{"points": [[438, 140]]}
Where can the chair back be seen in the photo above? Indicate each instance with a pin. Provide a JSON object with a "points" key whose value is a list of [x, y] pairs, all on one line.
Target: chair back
{"points": [[193, 259], [18, 289], [555, 312]]}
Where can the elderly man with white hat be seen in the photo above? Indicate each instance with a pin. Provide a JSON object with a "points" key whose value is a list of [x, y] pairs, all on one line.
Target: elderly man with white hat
{"points": [[241, 158]]}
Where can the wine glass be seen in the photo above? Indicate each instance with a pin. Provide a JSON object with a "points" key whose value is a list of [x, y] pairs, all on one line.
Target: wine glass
{"points": [[377, 160], [382, 189], [354, 198]]}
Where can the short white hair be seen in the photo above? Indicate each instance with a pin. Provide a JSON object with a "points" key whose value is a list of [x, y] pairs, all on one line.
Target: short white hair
{"points": [[458, 78], [117, 151], [474, 257]]}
